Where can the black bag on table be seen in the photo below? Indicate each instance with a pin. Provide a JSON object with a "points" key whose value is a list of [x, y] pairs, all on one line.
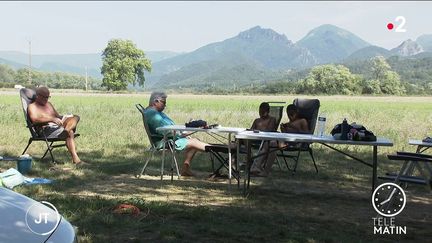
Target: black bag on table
{"points": [[196, 123], [357, 132]]}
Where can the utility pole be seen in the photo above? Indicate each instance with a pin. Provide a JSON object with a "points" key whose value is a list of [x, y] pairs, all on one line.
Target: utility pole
{"points": [[30, 66], [86, 79]]}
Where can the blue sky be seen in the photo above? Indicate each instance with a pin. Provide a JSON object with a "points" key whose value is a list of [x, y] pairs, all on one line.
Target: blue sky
{"points": [[86, 27]]}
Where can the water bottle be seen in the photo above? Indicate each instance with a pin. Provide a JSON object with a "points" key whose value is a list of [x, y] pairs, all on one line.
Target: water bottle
{"points": [[344, 130], [321, 125]]}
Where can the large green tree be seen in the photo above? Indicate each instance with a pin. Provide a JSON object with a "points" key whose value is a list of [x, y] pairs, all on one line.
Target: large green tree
{"points": [[330, 79], [388, 80], [123, 64]]}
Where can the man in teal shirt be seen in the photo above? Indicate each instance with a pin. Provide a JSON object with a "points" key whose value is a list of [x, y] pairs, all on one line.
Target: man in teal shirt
{"points": [[156, 118]]}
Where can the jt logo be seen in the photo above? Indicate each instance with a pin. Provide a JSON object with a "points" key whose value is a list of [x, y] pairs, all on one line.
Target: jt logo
{"points": [[40, 218]]}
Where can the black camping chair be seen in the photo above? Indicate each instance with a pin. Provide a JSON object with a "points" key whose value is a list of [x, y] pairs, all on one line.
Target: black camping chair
{"points": [[153, 148], [308, 109], [276, 110], [28, 96]]}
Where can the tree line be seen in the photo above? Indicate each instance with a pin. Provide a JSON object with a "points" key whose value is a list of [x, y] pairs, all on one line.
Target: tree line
{"points": [[378, 78], [59, 80]]}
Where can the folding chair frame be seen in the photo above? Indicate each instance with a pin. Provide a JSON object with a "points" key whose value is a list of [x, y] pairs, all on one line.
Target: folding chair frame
{"points": [[153, 149], [224, 162], [303, 146], [27, 96]]}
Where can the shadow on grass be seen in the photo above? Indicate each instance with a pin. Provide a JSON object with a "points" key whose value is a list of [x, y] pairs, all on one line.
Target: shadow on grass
{"points": [[264, 218], [333, 205]]}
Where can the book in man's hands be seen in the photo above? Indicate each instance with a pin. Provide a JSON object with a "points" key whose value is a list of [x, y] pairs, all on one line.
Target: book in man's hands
{"points": [[65, 117]]}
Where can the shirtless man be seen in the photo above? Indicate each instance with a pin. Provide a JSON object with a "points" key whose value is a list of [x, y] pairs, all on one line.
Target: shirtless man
{"points": [[42, 112]]}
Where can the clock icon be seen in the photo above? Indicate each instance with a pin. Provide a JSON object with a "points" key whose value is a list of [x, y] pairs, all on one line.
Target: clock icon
{"points": [[388, 199]]}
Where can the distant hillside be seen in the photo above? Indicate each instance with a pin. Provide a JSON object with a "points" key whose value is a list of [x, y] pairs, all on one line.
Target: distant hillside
{"points": [[407, 48], [329, 43], [217, 73], [425, 41], [12, 64], [412, 69], [369, 52], [71, 63]]}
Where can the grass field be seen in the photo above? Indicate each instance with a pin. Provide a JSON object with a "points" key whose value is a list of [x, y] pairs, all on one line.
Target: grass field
{"points": [[331, 206]]}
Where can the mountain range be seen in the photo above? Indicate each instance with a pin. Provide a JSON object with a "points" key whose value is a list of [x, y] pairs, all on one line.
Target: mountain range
{"points": [[255, 55]]}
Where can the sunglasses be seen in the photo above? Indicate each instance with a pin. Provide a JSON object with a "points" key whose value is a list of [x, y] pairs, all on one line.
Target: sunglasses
{"points": [[161, 101], [45, 97]]}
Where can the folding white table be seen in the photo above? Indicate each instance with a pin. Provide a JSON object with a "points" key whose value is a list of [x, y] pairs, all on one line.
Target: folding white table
{"points": [[324, 140]]}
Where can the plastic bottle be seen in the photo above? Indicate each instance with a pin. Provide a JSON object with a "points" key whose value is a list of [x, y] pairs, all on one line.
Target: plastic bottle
{"points": [[344, 130], [321, 125]]}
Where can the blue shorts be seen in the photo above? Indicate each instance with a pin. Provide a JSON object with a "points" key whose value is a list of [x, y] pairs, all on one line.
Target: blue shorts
{"points": [[181, 143]]}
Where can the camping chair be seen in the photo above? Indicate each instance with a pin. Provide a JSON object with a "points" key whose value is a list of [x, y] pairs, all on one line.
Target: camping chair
{"points": [[153, 148], [308, 109], [276, 110], [28, 96]]}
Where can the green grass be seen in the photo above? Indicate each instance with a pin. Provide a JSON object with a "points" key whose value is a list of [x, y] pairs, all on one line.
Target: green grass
{"points": [[331, 206]]}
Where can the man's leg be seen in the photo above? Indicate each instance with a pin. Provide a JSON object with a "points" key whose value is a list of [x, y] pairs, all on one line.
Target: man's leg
{"points": [[71, 123], [260, 162], [193, 146], [70, 144], [271, 157]]}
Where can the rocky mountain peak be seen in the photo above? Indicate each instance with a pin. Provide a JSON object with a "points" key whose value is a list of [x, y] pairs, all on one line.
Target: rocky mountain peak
{"points": [[257, 33], [408, 48]]}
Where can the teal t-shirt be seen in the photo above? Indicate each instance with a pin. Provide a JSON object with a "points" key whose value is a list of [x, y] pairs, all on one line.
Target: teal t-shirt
{"points": [[155, 119]]}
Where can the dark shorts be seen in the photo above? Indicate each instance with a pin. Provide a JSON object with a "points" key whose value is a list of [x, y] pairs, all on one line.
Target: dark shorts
{"points": [[54, 131]]}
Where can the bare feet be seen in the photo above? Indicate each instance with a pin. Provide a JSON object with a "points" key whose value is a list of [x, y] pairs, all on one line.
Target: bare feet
{"points": [[185, 171], [80, 163]]}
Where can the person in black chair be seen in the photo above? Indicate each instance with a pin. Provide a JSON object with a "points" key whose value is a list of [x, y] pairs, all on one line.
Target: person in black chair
{"points": [[295, 124], [52, 124], [264, 123]]}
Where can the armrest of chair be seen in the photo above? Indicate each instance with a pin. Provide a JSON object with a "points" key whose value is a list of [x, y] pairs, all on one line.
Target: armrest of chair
{"points": [[408, 157], [30, 125]]}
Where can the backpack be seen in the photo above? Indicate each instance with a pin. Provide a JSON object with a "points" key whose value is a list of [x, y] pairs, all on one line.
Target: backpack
{"points": [[356, 132], [196, 123]]}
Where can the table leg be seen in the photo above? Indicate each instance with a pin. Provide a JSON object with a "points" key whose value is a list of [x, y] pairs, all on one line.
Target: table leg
{"points": [[163, 156], [237, 162], [374, 167], [229, 159], [248, 165]]}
